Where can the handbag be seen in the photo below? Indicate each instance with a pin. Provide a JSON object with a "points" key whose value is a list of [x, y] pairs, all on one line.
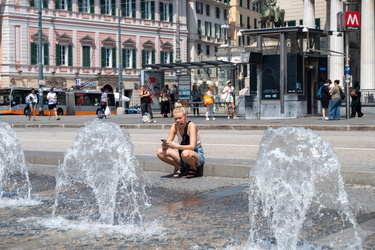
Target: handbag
{"points": [[342, 95], [224, 97], [353, 93], [151, 101], [208, 100]]}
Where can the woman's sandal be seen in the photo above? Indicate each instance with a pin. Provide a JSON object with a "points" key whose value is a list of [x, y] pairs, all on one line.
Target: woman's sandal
{"points": [[178, 173], [191, 174]]}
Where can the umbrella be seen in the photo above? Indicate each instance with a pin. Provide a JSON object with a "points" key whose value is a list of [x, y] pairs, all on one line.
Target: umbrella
{"points": [[124, 98]]}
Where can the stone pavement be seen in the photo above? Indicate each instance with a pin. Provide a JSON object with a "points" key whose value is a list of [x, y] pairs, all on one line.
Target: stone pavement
{"points": [[237, 168], [201, 213]]}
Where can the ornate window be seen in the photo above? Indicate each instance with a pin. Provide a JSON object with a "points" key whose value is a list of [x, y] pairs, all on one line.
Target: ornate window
{"points": [[148, 53], [34, 50], [87, 42], [64, 51], [129, 55], [109, 53]]}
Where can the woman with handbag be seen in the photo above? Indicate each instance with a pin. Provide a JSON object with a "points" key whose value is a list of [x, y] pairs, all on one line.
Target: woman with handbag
{"points": [[146, 102], [210, 105], [356, 100], [229, 99], [190, 155]]}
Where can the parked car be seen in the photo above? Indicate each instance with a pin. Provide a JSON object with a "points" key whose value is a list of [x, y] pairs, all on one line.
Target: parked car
{"points": [[133, 110]]}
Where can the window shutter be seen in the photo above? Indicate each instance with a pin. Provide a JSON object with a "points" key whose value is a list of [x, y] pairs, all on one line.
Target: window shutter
{"points": [[57, 4], [79, 6], [161, 11], [123, 58], [46, 62], [133, 9], [102, 4], [171, 57], [58, 55], [134, 56], [32, 53], [143, 59], [92, 6], [86, 56], [143, 5], [162, 57], [123, 9], [69, 5], [45, 4], [113, 2], [317, 23], [32, 3], [114, 57], [170, 12], [103, 57], [70, 55], [152, 10], [153, 57]]}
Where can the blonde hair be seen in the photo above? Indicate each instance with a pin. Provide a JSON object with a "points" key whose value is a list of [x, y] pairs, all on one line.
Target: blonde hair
{"points": [[178, 108]]}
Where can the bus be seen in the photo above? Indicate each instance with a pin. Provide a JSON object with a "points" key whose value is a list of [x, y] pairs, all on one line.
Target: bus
{"points": [[69, 102]]}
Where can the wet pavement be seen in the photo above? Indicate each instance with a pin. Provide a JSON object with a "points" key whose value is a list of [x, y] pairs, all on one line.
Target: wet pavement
{"points": [[200, 213]]}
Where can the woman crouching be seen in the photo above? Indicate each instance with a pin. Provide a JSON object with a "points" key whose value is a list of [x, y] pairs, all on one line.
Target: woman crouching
{"points": [[190, 155]]}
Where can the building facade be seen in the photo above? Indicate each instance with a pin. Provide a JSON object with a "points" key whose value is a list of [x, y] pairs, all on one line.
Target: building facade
{"points": [[81, 42]]}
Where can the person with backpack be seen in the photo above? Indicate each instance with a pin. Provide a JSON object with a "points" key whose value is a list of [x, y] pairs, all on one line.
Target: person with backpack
{"points": [[325, 98]]}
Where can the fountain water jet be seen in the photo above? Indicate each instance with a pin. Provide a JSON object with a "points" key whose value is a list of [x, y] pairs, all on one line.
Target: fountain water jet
{"points": [[14, 177], [102, 159], [296, 182]]}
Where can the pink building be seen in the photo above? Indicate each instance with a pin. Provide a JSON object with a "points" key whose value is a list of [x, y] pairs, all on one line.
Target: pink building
{"points": [[80, 41]]}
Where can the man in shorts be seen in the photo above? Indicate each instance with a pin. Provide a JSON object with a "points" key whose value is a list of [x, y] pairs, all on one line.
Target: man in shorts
{"points": [[52, 101]]}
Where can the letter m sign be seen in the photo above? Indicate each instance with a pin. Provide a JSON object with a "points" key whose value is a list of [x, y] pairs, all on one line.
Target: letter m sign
{"points": [[353, 20]]}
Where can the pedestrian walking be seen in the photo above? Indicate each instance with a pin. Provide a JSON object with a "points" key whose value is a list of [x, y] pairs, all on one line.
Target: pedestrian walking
{"points": [[355, 93], [103, 102], [32, 100], [52, 102]]}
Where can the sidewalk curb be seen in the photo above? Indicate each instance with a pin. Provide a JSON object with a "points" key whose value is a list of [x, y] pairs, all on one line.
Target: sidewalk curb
{"points": [[212, 167], [213, 126]]}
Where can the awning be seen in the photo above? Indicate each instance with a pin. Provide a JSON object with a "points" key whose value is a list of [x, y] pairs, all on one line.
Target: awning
{"points": [[124, 98], [190, 65]]}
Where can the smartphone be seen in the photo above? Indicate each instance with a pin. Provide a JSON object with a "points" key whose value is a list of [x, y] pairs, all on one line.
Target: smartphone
{"points": [[163, 140]]}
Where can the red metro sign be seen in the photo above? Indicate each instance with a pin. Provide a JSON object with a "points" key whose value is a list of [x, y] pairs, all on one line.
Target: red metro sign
{"points": [[352, 20]]}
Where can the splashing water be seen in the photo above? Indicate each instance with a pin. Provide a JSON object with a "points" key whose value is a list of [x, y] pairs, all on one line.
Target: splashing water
{"points": [[14, 177], [297, 197], [102, 159]]}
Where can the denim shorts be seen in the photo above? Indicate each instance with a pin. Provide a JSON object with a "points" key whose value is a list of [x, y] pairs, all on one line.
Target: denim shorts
{"points": [[200, 153]]}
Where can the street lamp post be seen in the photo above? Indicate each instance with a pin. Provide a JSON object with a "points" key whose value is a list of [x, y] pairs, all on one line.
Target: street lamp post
{"points": [[119, 63], [40, 62]]}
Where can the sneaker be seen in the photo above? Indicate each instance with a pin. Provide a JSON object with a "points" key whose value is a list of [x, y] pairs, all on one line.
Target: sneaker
{"points": [[207, 119], [235, 118], [228, 117], [213, 118], [326, 118]]}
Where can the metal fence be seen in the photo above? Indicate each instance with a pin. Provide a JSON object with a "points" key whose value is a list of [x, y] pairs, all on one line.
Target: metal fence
{"points": [[367, 97]]}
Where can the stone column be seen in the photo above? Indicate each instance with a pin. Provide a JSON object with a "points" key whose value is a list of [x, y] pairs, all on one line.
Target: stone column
{"points": [[309, 13], [367, 79], [336, 61]]}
